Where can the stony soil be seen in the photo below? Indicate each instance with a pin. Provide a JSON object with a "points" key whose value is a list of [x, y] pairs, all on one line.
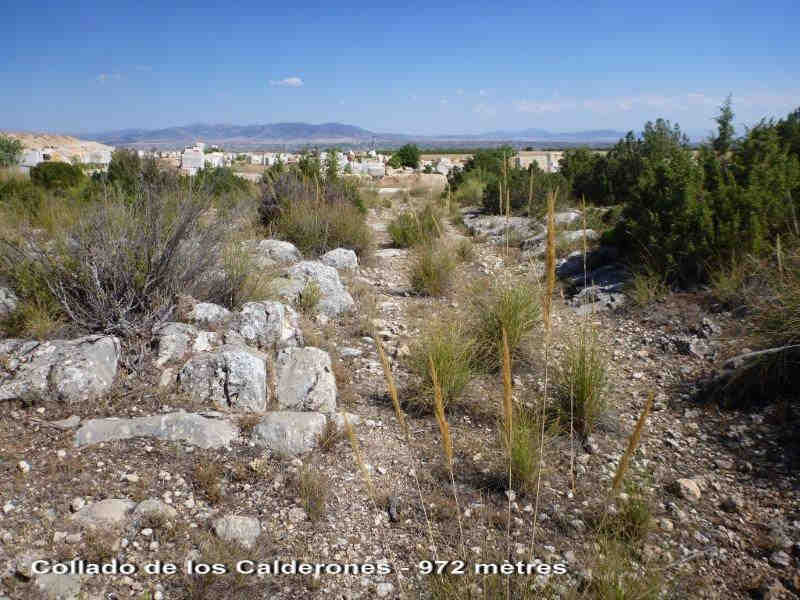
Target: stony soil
{"points": [[739, 539]]}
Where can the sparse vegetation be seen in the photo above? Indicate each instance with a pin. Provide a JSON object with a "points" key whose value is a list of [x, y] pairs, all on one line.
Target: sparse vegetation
{"points": [[415, 226]]}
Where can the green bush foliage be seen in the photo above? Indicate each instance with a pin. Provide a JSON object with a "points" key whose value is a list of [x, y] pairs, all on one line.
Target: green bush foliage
{"points": [[56, 175], [415, 226], [406, 156]]}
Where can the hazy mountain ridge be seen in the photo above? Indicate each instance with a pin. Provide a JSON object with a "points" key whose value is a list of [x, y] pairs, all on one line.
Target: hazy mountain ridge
{"points": [[307, 133]]}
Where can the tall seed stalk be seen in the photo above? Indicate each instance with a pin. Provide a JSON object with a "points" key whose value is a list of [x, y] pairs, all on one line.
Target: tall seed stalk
{"points": [[508, 414], [550, 283], [632, 443], [398, 411]]}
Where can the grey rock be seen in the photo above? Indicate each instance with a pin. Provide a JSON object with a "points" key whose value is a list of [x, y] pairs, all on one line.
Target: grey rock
{"points": [[495, 226], [231, 377], [267, 325], [110, 512], [334, 298], [305, 380], [686, 489], [59, 587], [289, 433], [573, 264], [208, 314], [732, 504], [340, 258], [69, 370], [268, 253], [338, 419], [154, 508], [174, 341], [66, 424], [237, 529], [779, 558], [191, 428], [566, 218], [350, 352], [8, 302]]}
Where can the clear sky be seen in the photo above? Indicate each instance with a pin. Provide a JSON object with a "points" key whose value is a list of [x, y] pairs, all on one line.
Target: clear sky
{"points": [[407, 67]]}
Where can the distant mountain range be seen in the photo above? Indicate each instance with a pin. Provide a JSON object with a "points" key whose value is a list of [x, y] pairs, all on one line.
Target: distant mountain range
{"points": [[304, 134]]}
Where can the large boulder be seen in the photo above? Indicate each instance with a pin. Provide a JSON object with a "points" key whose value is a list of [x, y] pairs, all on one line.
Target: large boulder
{"points": [[178, 426], [305, 380], [68, 370], [289, 433], [495, 226], [267, 325], [334, 297], [233, 376], [340, 258], [8, 302], [269, 253]]}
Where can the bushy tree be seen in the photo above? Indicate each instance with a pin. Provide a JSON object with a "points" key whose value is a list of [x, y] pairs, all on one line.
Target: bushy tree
{"points": [[309, 165], [586, 172], [406, 156], [332, 165], [10, 151], [56, 175], [125, 170]]}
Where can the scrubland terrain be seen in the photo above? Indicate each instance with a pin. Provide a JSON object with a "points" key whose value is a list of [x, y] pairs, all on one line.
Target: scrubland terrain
{"points": [[212, 371]]}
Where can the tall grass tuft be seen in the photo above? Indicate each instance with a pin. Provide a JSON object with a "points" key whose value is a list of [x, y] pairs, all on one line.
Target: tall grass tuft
{"points": [[581, 380], [416, 226], [450, 349], [508, 306], [438, 409], [431, 270]]}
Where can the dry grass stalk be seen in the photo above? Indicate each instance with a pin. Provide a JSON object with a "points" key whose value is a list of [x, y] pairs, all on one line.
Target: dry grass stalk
{"points": [[348, 429], [387, 374], [550, 259], [507, 401], [779, 256], [632, 443], [438, 407]]}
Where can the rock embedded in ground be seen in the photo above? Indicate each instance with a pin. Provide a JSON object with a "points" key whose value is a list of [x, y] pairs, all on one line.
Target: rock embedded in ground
{"points": [[267, 324], [340, 258], [269, 253], [686, 489], [191, 428], [105, 513], [153, 508], [289, 433], [207, 314], [305, 380], [74, 370], [238, 529], [334, 298], [58, 587], [8, 302], [232, 376]]}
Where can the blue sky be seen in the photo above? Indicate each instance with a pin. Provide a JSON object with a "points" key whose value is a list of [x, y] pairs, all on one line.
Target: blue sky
{"points": [[414, 67]]}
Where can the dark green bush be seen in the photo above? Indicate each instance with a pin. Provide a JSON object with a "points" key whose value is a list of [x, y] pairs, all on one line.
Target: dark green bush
{"points": [[56, 175]]}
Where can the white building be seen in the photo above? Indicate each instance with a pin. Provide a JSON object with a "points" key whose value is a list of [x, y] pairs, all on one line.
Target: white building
{"points": [[214, 159], [192, 160]]}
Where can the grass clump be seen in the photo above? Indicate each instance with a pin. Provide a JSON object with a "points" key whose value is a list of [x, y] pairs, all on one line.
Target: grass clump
{"points": [[528, 448], [646, 286], [312, 488], [415, 227], [431, 270], [308, 298], [465, 250], [449, 348], [581, 381], [512, 306]]}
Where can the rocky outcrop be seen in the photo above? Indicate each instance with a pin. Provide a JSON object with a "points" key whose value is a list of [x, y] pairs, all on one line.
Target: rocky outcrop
{"points": [[494, 227], [68, 370], [289, 433], [334, 298], [305, 380], [106, 513], [233, 376], [191, 428], [207, 314], [176, 340], [340, 258]]}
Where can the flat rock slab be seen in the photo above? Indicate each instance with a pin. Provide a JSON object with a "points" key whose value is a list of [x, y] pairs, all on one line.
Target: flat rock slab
{"points": [[340, 258], [59, 587], [269, 252], [237, 529], [289, 433], [173, 427], [69, 370], [106, 513]]}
